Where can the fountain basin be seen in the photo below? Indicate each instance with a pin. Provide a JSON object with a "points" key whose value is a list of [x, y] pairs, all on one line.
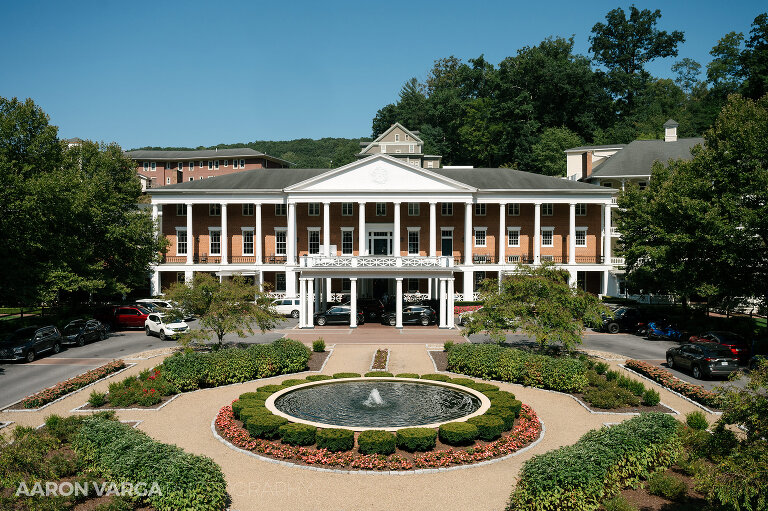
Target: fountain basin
{"points": [[397, 403]]}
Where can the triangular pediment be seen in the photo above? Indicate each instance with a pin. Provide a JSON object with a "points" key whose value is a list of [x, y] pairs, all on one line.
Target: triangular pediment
{"points": [[380, 173]]}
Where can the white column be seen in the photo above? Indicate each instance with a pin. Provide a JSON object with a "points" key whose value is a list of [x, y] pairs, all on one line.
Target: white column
{"points": [[572, 234], [302, 302], [396, 234], [190, 236], [537, 233], [432, 229], [327, 228], [449, 312], [399, 302], [606, 275], [154, 283], [361, 248], [224, 236], [353, 302], [291, 235], [310, 300], [607, 234], [328, 295], [258, 235], [469, 283], [443, 300], [261, 281], [290, 283], [429, 288], [189, 275], [468, 234], [155, 209], [502, 241]]}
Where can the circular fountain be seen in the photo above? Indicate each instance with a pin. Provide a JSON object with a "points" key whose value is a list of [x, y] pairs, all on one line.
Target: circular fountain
{"points": [[377, 403]]}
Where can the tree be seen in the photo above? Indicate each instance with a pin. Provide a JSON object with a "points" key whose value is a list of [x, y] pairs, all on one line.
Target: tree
{"points": [[231, 306], [724, 71], [624, 45], [540, 303], [754, 59], [687, 71], [547, 154]]}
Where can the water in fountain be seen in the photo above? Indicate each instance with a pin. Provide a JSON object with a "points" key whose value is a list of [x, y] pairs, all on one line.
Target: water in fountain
{"points": [[374, 399]]}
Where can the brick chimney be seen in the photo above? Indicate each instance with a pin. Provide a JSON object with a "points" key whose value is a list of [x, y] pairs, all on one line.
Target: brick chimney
{"points": [[670, 131], [586, 164]]}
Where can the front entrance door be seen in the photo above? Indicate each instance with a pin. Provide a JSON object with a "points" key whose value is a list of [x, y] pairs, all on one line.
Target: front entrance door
{"points": [[380, 288], [446, 248], [380, 243], [380, 246]]}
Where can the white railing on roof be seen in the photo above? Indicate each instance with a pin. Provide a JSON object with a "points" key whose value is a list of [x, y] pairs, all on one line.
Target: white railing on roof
{"points": [[321, 261]]}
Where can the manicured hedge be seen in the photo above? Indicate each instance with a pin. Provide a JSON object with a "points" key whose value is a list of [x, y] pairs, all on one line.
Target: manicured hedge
{"points": [[407, 375], [347, 375], [436, 377], [483, 387], [489, 427], [374, 441], [416, 439], [297, 434], [493, 362], [126, 454], [269, 388], [507, 415], [193, 370], [457, 433], [335, 439], [462, 381], [293, 382], [319, 377], [380, 374], [265, 425], [598, 466]]}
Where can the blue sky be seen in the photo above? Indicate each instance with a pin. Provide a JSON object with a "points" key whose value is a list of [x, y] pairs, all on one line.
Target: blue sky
{"points": [[200, 73]]}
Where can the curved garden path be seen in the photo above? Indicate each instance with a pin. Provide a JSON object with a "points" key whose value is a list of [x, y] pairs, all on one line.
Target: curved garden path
{"points": [[254, 484]]}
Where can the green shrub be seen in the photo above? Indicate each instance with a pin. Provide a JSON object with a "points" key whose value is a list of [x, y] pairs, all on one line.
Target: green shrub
{"points": [[636, 387], [483, 387], [186, 481], [318, 346], [436, 377], [416, 439], [499, 394], [379, 374], [667, 486], [696, 420], [447, 345], [407, 375], [186, 371], [651, 397], [618, 504], [97, 399], [489, 427], [270, 388], [63, 428], [375, 441], [335, 439], [346, 375], [319, 377], [292, 382], [507, 415], [721, 442], [596, 380], [612, 375], [297, 434], [252, 412], [457, 433], [611, 397], [466, 382], [265, 426], [602, 367]]}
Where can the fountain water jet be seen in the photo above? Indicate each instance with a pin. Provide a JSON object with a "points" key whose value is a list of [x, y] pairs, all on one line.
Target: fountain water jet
{"points": [[374, 399]]}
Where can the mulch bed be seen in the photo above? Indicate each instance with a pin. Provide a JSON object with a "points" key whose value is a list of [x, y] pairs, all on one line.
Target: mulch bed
{"points": [[440, 358], [644, 501], [380, 360], [316, 360]]}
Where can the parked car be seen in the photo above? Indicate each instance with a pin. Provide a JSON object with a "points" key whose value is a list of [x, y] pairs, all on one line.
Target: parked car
{"points": [[625, 319], [80, 331], [287, 306], [663, 330], [156, 324], [130, 316], [338, 314], [702, 359], [371, 307], [163, 305], [27, 343], [412, 314], [738, 345]]}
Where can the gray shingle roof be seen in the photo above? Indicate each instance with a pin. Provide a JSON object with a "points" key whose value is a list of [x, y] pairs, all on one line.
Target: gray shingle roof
{"points": [[180, 155], [510, 179], [595, 147], [637, 158]]}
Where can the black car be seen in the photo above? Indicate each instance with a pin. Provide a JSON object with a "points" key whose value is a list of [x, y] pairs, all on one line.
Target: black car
{"points": [[625, 319], [703, 360], [81, 331], [412, 314], [27, 343], [337, 315], [371, 307]]}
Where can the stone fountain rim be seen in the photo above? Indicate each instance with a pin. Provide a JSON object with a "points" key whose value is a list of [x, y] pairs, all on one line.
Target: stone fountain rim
{"points": [[485, 403]]}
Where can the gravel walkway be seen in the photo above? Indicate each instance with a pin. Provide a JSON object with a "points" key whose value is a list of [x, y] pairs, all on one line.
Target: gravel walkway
{"points": [[255, 484]]}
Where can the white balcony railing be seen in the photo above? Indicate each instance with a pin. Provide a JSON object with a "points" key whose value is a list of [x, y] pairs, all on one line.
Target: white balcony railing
{"points": [[617, 261], [615, 232], [320, 261]]}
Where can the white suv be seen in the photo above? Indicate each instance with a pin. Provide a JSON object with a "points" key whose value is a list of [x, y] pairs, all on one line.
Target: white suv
{"points": [[287, 306], [155, 325]]}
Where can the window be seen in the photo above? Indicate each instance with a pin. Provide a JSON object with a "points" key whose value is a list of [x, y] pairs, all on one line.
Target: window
{"points": [[216, 164], [547, 209], [413, 241], [413, 209], [214, 209], [446, 208], [181, 241], [347, 208], [314, 208], [479, 209], [314, 240], [346, 285], [281, 242], [581, 210], [280, 282], [608, 184], [347, 237], [200, 164], [146, 166], [167, 180], [513, 236], [381, 209], [513, 209], [581, 237], [248, 209], [234, 164], [154, 166], [180, 166], [383, 148], [642, 185], [407, 137], [191, 166], [480, 236], [247, 241], [210, 164], [430, 164], [242, 164], [181, 277], [281, 210], [181, 210], [410, 148], [191, 178], [547, 236], [397, 137], [413, 285], [479, 278], [226, 163], [214, 234]]}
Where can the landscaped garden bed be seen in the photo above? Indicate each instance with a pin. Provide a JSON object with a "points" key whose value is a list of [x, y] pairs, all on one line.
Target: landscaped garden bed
{"points": [[380, 359], [666, 379], [504, 429]]}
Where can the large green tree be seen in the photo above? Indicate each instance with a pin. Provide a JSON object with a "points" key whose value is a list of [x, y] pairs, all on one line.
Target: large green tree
{"points": [[754, 59]]}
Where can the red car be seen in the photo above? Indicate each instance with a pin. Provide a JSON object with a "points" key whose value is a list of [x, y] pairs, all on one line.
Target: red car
{"points": [[734, 342], [122, 316]]}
